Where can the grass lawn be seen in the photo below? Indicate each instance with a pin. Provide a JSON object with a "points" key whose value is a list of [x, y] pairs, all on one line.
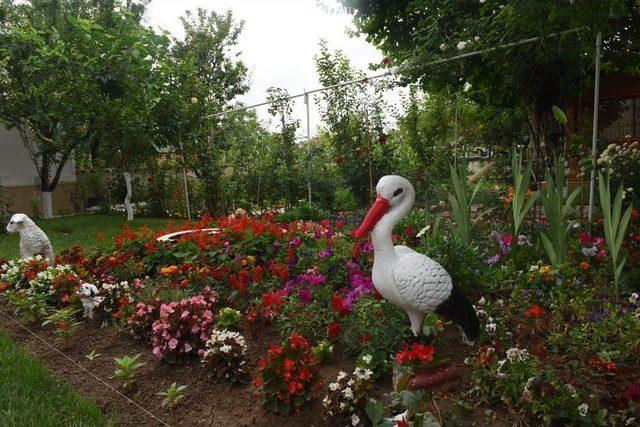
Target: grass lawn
{"points": [[30, 396], [79, 230]]}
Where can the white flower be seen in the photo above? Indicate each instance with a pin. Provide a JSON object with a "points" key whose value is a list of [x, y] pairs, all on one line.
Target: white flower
{"points": [[476, 38], [341, 375], [348, 393], [482, 301], [461, 45], [633, 299], [334, 386], [443, 46], [512, 354], [326, 401], [355, 420], [367, 358], [490, 328], [466, 87], [582, 409]]}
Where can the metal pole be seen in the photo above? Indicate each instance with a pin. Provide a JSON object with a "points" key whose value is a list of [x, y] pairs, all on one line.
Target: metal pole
{"points": [[594, 136], [186, 190], [306, 101]]}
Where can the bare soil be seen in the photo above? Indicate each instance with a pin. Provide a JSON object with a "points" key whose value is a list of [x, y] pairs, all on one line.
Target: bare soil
{"points": [[205, 403]]}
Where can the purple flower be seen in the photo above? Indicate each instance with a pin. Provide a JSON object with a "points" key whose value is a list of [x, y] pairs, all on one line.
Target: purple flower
{"points": [[327, 253], [493, 260], [588, 252], [305, 295]]}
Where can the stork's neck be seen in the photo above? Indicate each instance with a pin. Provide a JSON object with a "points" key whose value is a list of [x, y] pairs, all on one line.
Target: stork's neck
{"points": [[381, 235]]}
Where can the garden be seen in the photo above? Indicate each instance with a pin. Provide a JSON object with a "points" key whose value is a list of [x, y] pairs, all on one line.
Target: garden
{"points": [[267, 279]]}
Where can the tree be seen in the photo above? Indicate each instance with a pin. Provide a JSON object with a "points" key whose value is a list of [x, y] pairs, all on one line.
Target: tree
{"points": [[41, 87], [533, 77], [130, 75], [355, 116], [289, 182], [207, 76], [55, 57]]}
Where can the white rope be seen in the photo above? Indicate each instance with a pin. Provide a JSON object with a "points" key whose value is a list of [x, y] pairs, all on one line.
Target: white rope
{"points": [[8, 316]]}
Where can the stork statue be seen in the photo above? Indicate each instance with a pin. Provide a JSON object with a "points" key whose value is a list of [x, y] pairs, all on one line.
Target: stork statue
{"points": [[405, 277]]}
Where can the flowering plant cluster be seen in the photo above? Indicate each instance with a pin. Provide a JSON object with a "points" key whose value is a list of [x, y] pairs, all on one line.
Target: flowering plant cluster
{"points": [[224, 356], [288, 377], [141, 320], [347, 397], [184, 326], [18, 274], [59, 282], [117, 297], [415, 354]]}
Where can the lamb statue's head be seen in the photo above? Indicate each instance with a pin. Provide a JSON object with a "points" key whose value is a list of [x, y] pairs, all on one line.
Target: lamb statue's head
{"points": [[18, 222], [87, 290]]}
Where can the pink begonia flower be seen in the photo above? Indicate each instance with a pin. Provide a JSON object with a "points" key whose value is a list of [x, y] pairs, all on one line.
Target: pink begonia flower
{"points": [[157, 351], [173, 343], [187, 347], [200, 352], [598, 240], [184, 314]]}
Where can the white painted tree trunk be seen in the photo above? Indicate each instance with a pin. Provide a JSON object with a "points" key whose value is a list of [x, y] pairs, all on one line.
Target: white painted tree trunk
{"points": [[127, 198], [47, 205]]}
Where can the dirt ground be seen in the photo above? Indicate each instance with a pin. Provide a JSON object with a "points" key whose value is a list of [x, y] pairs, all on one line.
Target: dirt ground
{"points": [[205, 403]]}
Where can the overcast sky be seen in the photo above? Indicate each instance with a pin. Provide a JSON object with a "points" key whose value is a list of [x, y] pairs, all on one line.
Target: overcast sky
{"points": [[279, 40]]}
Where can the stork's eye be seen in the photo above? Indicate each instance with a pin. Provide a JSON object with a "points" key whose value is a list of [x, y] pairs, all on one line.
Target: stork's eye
{"points": [[397, 192]]}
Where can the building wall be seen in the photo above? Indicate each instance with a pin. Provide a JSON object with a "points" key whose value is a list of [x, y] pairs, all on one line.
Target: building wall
{"points": [[19, 177]]}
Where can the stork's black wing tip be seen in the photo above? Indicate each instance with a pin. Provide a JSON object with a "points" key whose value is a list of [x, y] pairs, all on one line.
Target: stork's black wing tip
{"points": [[459, 310]]}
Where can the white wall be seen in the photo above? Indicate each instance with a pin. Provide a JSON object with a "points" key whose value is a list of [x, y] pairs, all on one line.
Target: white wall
{"points": [[17, 169]]}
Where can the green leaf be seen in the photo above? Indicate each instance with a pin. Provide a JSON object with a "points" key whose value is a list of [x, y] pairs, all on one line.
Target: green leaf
{"points": [[375, 411]]}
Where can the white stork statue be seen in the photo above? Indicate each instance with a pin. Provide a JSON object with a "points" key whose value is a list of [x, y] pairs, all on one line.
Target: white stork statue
{"points": [[405, 277]]}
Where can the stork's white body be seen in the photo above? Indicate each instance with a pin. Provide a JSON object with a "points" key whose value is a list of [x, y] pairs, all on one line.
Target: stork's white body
{"points": [[401, 275]]}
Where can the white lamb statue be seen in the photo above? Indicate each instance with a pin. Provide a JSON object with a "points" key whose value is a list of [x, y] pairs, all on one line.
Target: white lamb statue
{"points": [[33, 241]]}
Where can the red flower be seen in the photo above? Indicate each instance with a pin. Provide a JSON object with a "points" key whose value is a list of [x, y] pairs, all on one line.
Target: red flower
{"points": [[585, 238], [275, 351], [333, 330], [506, 239], [534, 311], [421, 353], [338, 305], [633, 392]]}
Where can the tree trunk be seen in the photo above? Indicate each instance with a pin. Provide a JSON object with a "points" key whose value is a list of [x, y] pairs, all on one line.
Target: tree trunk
{"points": [[47, 206], [127, 198]]}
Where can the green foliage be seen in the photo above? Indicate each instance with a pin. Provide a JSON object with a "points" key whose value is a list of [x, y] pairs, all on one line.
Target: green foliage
{"points": [[364, 333], [127, 367], [461, 201], [173, 395], [412, 34], [556, 208], [31, 305], [229, 319], [323, 350], [523, 200], [64, 320], [302, 211], [615, 225], [344, 201]]}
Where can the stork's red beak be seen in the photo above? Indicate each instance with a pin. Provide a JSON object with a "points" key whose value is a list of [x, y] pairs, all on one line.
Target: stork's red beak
{"points": [[380, 207]]}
